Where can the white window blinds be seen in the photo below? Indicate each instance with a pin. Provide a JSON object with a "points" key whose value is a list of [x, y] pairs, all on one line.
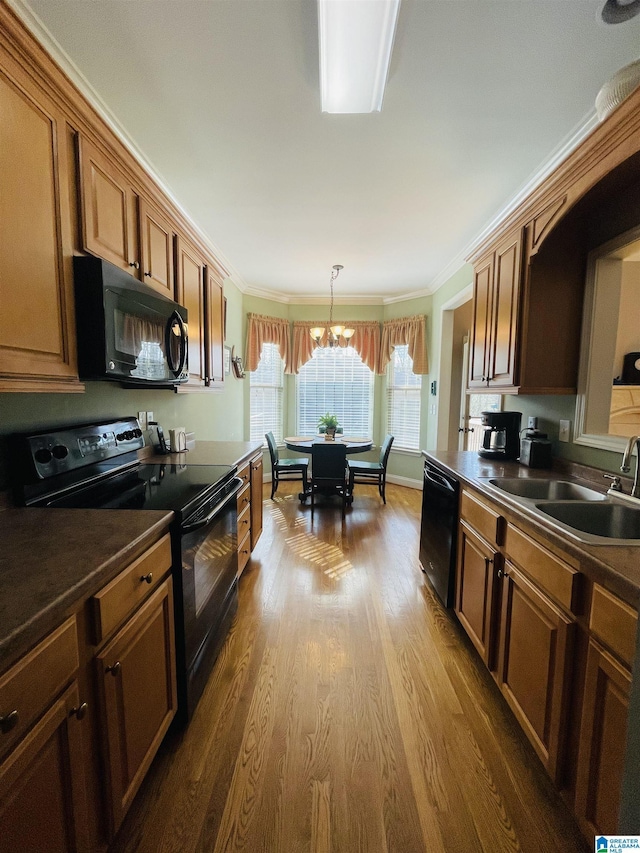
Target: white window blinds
{"points": [[403, 400], [335, 380], [267, 394]]}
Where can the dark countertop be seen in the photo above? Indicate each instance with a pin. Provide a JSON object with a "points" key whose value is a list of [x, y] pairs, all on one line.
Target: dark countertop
{"points": [[51, 559], [212, 453], [616, 567]]}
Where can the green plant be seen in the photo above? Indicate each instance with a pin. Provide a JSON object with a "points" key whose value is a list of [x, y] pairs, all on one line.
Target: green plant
{"points": [[328, 421]]}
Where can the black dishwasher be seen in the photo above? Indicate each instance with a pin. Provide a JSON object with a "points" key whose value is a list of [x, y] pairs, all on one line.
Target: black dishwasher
{"points": [[439, 530]]}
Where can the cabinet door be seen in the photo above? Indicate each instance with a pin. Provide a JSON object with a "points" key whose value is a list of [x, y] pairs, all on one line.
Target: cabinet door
{"points": [[43, 801], [534, 668], [256, 500], [475, 591], [215, 329], [603, 735], [190, 293], [156, 249], [480, 330], [109, 210], [37, 339], [504, 316], [138, 697]]}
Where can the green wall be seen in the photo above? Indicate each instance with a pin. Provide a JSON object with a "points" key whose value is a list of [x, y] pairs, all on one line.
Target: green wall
{"points": [[212, 415]]}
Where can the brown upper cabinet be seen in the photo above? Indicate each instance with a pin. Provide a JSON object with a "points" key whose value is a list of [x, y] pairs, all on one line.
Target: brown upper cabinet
{"points": [[495, 326], [191, 268], [120, 225], [530, 274], [37, 337], [214, 327]]}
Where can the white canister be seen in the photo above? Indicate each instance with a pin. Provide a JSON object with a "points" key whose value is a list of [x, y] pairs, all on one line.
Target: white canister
{"points": [[178, 439]]}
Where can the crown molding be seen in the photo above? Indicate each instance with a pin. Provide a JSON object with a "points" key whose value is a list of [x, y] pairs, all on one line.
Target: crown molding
{"points": [[557, 156], [68, 66]]}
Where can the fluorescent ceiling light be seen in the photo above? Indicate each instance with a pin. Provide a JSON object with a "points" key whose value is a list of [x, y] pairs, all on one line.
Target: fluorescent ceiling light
{"points": [[356, 39]]}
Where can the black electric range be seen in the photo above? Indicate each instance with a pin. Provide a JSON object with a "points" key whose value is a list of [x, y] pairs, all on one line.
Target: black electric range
{"points": [[97, 466]]}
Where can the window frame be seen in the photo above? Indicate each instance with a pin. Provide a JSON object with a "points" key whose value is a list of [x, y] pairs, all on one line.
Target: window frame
{"points": [[276, 425], [409, 391]]}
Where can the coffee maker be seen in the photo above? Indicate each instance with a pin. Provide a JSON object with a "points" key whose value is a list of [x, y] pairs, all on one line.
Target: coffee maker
{"points": [[501, 435]]}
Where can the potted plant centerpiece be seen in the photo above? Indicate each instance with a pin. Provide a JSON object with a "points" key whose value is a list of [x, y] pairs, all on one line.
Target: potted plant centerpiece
{"points": [[328, 423]]}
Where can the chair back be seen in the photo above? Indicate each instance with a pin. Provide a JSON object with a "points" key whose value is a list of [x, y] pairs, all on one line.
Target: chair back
{"points": [[386, 449], [329, 461], [273, 448]]}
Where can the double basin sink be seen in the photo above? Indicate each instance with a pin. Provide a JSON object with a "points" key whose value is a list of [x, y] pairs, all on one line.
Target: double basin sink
{"points": [[586, 514]]}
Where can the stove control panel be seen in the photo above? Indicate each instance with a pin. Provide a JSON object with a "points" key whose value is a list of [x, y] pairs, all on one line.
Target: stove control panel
{"points": [[48, 454]]}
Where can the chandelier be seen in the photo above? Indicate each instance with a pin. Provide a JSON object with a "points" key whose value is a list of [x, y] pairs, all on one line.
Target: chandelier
{"points": [[333, 333]]}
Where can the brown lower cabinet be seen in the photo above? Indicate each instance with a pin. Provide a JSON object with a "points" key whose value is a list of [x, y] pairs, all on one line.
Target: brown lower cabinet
{"points": [[43, 794], [534, 667], [249, 508], [137, 690], [524, 608], [72, 757]]}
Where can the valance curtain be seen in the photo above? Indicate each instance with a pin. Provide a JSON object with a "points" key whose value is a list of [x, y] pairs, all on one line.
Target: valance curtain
{"points": [[365, 341], [267, 330], [409, 331]]}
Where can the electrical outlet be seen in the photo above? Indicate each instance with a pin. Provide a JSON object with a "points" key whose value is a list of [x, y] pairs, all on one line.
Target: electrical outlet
{"points": [[532, 423], [150, 418], [565, 429], [142, 420]]}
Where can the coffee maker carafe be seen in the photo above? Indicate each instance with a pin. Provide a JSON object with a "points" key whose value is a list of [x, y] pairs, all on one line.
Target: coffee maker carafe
{"points": [[501, 435]]}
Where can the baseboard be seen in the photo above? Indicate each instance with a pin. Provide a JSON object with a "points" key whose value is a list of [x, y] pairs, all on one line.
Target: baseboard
{"points": [[404, 481]]}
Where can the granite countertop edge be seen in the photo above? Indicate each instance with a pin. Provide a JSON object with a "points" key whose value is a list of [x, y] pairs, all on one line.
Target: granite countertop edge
{"points": [[616, 567], [50, 604]]}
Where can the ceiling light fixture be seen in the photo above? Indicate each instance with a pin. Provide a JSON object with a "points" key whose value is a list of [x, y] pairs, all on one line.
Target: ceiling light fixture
{"points": [[356, 39], [333, 333]]}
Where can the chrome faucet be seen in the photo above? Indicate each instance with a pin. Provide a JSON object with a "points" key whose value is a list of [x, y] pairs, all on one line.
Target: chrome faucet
{"points": [[634, 441]]}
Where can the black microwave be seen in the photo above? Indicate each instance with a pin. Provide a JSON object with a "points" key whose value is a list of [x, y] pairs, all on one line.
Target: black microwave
{"points": [[125, 330]]}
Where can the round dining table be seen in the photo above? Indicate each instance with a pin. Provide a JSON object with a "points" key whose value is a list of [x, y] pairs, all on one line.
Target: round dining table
{"points": [[304, 443]]}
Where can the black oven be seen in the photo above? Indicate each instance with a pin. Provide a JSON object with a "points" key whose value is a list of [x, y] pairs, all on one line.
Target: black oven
{"points": [[96, 466]]}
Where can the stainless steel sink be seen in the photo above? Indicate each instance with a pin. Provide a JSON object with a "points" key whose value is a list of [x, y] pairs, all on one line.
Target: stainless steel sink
{"points": [[598, 523], [546, 490]]}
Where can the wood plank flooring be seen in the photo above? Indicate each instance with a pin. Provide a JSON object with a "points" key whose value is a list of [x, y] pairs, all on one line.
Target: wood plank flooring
{"points": [[346, 712]]}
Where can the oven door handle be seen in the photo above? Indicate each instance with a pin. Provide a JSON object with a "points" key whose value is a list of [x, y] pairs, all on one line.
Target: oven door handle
{"points": [[203, 522], [174, 319], [438, 480]]}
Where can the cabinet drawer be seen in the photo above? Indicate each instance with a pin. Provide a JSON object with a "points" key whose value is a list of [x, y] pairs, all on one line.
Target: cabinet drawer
{"points": [[486, 521], [615, 623], [555, 576], [245, 474], [244, 523], [244, 552], [244, 498], [120, 597], [30, 686]]}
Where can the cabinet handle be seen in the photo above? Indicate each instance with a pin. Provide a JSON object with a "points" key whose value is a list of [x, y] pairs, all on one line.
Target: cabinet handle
{"points": [[10, 721], [488, 561], [148, 274], [115, 669], [134, 264], [80, 712], [500, 573], [148, 578]]}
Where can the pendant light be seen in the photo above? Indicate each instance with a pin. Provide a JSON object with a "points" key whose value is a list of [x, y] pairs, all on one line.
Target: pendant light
{"points": [[334, 334]]}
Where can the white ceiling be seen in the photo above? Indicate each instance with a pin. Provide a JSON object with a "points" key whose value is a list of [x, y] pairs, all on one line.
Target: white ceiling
{"points": [[222, 99]]}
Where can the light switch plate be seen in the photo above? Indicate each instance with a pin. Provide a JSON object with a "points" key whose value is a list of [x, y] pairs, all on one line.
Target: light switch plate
{"points": [[142, 420], [565, 429]]}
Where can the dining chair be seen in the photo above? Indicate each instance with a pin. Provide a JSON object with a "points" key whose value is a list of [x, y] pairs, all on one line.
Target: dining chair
{"points": [[285, 469], [328, 471], [371, 473]]}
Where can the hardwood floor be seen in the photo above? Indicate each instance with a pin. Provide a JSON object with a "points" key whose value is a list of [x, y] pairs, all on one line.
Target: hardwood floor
{"points": [[346, 711]]}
